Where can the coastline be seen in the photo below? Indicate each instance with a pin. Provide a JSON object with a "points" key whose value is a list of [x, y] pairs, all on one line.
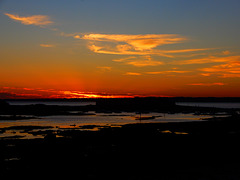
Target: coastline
{"points": [[204, 149], [162, 150]]}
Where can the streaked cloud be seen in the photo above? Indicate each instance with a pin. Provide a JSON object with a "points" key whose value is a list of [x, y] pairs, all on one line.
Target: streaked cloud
{"points": [[139, 61], [38, 20], [132, 74], [236, 75], [47, 45], [125, 59], [105, 68], [227, 70], [232, 67], [208, 84], [157, 72], [33, 93], [138, 47], [205, 74], [138, 42], [168, 72], [183, 50], [143, 63], [127, 44], [209, 59], [226, 52]]}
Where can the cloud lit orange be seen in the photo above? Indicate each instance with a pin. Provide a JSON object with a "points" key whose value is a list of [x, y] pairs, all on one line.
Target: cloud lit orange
{"points": [[109, 52], [31, 20], [209, 59], [32, 93], [167, 72], [138, 42], [132, 74], [208, 84], [141, 44], [229, 69], [139, 61], [47, 45]]}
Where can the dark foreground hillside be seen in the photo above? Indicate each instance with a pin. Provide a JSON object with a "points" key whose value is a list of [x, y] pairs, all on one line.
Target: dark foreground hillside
{"points": [[191, 150]]}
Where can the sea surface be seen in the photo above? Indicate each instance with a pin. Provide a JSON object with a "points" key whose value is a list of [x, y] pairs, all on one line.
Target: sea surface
{"points": [[228, 105], [96, 120], [84, 103]]}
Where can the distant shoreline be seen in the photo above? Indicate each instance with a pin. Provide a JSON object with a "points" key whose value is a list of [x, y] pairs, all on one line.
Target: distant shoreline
{"points": [[176, 99]]}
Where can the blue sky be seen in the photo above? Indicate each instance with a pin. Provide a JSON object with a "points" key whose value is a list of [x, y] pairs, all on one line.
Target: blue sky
{"points": [[215, 21]]}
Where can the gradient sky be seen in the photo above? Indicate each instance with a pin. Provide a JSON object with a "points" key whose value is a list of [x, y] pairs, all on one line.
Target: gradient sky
{"points": [[117, 48]]}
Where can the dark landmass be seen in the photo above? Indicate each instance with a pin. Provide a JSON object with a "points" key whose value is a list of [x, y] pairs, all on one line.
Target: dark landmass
{"points": [[189, 150], [162, 105], [203, 150]]}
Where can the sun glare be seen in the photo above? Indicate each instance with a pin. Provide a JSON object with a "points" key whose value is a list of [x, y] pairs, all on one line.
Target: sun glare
{"points": [[76, 94]]}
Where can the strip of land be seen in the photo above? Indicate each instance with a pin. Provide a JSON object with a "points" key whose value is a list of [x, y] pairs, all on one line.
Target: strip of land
{"points": [[206, 149]]}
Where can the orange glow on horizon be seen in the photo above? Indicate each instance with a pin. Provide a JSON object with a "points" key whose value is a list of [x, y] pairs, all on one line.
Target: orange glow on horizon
{"points": [[37, 93], [75, 94], [77, 54]]}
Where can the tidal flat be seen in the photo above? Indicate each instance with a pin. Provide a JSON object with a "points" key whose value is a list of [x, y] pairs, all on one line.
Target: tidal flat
{"points": [[187, 150], [190, 150]]}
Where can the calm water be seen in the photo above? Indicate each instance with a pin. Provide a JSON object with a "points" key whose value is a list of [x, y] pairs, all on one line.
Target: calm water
{"points": [[76, 103], [101, 119], [211, 104]]}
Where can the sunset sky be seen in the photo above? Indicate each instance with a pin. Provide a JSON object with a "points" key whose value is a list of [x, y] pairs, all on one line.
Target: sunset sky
{"points": [[119, 48]]}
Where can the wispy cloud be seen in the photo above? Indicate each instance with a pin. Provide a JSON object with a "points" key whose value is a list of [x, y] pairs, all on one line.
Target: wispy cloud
{"points": [[38, 20], [132, 74], [143, 63], [209, 59], [229, 69], [171, 72], [205, 74], [139, 61], [137, 42], [33, 93], [127, 44], [138, 47], [208, 84], [105, 68], [47, 45], [168, 72], [226, 52], [125, 59]]}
